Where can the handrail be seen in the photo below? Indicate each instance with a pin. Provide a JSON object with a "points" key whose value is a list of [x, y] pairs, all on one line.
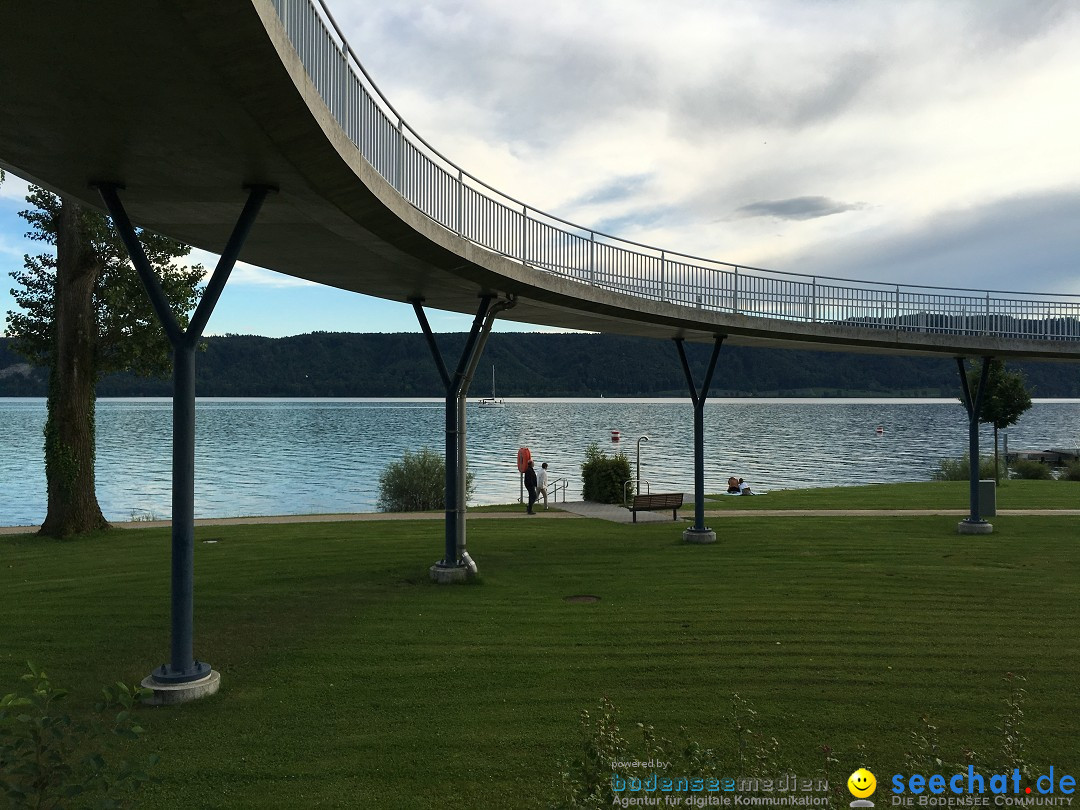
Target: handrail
{"points": [[459, 202], [555, 489]]}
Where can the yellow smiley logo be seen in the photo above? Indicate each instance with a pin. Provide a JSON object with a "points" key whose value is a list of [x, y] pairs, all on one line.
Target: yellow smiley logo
{"points": [[861, 783]]}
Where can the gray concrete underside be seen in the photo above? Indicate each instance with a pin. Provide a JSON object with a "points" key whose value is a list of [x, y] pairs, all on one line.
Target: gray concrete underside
{"points": [[186, 101]]}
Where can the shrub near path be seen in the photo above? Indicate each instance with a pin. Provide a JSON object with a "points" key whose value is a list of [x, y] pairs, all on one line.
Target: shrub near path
{"points": [[350, 680]]}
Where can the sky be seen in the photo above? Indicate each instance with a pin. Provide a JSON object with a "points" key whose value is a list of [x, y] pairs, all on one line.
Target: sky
{"points": [[916, 142]]}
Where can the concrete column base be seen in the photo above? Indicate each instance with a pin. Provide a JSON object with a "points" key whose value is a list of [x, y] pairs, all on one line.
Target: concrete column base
{"points": [[452, 574], [967, 527], [169, 694], [699, 536]]}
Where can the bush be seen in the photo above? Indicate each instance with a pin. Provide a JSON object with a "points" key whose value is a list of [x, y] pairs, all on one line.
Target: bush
{"points": [[603, 477], [959, 469], [417, 483], [50, 759], [1032, 470], [1071, 471]]}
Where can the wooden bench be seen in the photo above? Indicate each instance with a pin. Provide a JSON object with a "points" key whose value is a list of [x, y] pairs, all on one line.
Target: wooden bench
{"points": [[656, 502]]}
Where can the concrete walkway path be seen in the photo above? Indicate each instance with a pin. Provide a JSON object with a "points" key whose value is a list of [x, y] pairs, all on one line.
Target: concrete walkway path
{"points": [[613, 512], [568, 511]]}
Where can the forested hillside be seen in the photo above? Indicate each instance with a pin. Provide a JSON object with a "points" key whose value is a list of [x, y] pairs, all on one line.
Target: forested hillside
{"points": [[326, 364]]}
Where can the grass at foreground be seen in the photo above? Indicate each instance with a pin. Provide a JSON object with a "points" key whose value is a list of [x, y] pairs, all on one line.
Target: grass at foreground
{"points": [[1016, 494], [351, 681]]}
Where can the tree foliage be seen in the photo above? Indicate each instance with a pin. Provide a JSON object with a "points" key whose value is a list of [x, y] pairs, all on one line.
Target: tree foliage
{"points": [[334, 364], [128, 336], [83, 312], [1006, 398]]}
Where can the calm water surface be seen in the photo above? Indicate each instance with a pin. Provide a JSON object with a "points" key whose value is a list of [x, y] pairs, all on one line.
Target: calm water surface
{"points": [[263, 456]]}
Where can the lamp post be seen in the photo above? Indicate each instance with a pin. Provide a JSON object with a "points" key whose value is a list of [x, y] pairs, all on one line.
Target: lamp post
{"points": [[639, 441]]}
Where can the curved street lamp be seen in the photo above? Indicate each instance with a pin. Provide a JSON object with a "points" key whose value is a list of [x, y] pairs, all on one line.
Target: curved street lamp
{"points": [[639, 441]]}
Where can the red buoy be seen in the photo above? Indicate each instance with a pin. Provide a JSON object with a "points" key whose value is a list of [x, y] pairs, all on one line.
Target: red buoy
{"points": [[523, 459], [615, 435]]}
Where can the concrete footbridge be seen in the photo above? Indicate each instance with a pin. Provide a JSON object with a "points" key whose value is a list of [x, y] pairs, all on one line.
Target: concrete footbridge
{"points": [[250, 128], [185, 103]]}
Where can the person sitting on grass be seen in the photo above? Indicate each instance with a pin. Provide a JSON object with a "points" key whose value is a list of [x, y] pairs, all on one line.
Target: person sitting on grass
{"points": [[744, 488], [733, 485]]}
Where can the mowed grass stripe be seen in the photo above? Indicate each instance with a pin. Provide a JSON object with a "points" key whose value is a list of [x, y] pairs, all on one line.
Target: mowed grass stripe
{"points": [[349, 679]]}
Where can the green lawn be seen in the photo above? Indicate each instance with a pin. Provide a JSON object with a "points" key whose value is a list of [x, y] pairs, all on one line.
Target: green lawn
{"points": [[1016, 494], [351, 681]]}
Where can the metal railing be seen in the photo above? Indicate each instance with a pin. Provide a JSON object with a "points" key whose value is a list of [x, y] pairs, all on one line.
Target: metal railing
{"points": [[556, 486], [632, 487], [471, 208]]}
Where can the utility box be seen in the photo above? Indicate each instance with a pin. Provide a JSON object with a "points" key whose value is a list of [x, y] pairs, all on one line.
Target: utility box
{"points": [[987, 498]]}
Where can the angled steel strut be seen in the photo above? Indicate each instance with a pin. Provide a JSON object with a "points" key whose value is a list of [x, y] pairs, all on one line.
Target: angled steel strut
{"points": [[700, 532], [974, 412], [182, 666], [456, 557]]}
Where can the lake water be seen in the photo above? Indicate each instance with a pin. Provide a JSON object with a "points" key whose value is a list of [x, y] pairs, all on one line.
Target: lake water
{"points": [[284, 456]]}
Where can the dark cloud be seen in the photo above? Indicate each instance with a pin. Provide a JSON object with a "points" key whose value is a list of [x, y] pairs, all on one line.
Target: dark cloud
{"points": [[535, 85], [797, 208], [1002, 24], [626, 225], [615, 190], [1023, 243], [786, 95]]}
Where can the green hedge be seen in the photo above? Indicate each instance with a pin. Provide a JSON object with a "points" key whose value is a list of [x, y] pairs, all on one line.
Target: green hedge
{"points": [[603, 476]]}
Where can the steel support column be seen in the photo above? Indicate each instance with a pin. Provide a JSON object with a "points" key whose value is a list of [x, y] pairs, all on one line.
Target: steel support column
{"points": [[700, 533], [456, 559], [183, 667], [974, 523]]}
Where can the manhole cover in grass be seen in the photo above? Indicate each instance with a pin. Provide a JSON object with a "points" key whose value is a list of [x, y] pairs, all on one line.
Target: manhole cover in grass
{"points": [[581, 597]]}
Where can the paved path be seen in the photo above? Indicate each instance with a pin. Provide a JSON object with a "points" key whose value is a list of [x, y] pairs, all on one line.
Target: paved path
{"points": [[573, 510]]}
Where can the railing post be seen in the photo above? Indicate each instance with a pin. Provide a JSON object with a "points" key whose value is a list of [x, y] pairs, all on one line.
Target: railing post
{"points": [[460, 201], [399, 169], [735, 293], [592, 257], [813, 302], [663, 276], [524, 230], [897, 307]]}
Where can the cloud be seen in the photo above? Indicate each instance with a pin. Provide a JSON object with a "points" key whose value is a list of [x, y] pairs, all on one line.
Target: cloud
{"points": [[14, 188], [1026, 243], [797, 208], [243, 274], [615, 190]]}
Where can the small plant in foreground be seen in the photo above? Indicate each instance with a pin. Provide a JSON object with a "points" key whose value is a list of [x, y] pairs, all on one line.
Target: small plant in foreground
{"points": [[48, 759], [609, 760], [1013, 755], [416, 483]]}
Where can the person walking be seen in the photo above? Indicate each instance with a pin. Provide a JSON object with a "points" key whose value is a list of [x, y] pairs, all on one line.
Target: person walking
{"points": [[530, 485], [541, 483]]}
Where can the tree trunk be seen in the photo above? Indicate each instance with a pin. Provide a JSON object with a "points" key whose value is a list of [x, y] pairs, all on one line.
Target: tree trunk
{"points": [[997, 463], [69, 427]]}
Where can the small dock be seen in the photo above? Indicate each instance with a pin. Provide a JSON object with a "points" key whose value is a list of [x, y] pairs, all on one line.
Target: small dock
{"points": [[1055, 456]]}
